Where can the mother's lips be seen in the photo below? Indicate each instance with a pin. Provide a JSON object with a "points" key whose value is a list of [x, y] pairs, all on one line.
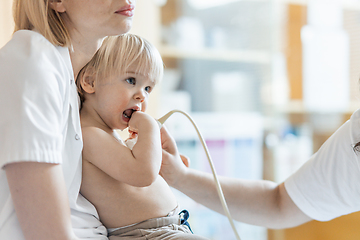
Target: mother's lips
{"points": [[127, 10]]}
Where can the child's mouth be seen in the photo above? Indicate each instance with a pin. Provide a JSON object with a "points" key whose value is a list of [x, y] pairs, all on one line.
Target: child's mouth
{"points": [[128, 113]]}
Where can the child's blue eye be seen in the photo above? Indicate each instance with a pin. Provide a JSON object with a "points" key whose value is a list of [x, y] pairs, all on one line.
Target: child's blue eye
{"points": [[131, 80], [148, 89]]}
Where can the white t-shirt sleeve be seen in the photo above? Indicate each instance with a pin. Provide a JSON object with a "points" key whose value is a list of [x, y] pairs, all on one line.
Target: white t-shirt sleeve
{"points": [[328, 185], [31, 100]]}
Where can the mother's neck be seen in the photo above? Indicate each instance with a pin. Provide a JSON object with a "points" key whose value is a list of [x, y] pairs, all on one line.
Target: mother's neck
{"points": [[83, 49]]}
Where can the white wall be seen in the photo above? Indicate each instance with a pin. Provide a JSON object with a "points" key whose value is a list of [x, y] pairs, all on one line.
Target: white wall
{"points": [[6, 21]]}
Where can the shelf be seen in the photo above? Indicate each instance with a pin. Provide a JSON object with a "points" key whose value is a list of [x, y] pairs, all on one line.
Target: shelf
{"points": [[297, 107], [347, 5], [247, 56]]}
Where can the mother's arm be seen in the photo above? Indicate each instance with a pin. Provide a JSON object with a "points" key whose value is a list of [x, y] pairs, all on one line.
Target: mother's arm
{"points": [[40, 199]]}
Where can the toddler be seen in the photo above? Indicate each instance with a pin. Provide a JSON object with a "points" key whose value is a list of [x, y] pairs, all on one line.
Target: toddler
{"points": [[123, 182]]}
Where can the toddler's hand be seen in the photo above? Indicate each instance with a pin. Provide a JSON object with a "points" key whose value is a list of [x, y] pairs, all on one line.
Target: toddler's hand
{"points": [[140, 120], [132, 134]]}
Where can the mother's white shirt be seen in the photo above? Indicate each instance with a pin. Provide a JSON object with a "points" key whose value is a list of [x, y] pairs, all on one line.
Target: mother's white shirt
{"points": [[39, 122]]}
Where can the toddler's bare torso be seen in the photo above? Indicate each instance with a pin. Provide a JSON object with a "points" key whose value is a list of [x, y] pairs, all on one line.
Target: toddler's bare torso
{"points": [[120, 204]]}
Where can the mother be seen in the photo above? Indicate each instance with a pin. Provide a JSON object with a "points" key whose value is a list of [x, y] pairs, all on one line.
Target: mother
{"points": [[40, 135]]}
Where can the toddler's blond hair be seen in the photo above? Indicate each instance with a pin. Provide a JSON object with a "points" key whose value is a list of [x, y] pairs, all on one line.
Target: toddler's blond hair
{"points": [[118, 53]]}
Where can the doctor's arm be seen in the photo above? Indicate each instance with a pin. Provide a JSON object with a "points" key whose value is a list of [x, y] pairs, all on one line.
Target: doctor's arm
{"points": [[40, 199], [256, 202]]}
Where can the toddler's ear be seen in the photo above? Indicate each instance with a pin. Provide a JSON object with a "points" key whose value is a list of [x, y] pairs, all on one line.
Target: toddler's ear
{"points": [[87, 81]]}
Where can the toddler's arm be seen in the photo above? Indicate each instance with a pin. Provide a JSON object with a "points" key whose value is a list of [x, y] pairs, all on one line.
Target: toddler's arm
{"points": [[137, 167]]}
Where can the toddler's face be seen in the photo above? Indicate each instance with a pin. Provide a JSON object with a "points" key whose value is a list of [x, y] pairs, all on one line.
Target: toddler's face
{"points": [[117, 96]]}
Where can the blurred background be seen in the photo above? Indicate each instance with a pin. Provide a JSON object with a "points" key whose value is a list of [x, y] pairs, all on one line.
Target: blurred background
{"points": [[266, 81]]}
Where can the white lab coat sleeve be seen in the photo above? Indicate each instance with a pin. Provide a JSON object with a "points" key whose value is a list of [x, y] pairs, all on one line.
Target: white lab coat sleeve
{"points": [[31, 101], [328, 185]]}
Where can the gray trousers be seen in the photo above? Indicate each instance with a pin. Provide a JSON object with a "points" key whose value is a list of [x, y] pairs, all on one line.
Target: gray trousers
{"points": [[164, 228]]}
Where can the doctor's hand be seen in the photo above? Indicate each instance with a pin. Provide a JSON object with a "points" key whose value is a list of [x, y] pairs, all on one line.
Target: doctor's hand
{"points": [[174, 166], [185, 160]]}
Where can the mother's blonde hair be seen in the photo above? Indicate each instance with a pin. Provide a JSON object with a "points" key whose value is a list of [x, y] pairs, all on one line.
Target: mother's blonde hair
{"points": [[36, 14]]}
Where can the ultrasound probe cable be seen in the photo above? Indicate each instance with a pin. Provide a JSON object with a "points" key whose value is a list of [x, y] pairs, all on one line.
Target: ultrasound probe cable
{"points": [[217, 184]]}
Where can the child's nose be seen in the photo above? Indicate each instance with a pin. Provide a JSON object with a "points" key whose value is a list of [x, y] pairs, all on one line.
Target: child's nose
{"points": [[140, 96]]}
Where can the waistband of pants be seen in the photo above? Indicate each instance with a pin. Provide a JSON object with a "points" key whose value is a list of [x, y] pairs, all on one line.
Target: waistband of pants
{"points": [[171, 218]]}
